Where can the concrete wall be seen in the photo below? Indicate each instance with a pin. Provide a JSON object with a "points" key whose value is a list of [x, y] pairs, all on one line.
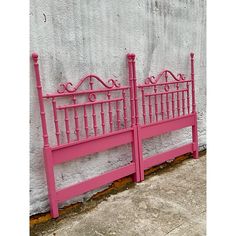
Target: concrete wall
{"points": [[77, 37]]}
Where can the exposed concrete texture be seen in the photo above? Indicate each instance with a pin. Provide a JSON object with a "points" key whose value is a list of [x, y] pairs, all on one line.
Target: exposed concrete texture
{"points": [[77, 37], [170, 203]]}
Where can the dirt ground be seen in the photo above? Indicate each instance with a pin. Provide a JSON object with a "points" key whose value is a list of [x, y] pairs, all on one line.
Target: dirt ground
{"points": [[172, 202]]}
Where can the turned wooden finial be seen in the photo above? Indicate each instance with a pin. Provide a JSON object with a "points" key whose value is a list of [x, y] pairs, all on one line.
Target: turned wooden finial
{"points": [[131, 56], [192, 55], [35, 57]]}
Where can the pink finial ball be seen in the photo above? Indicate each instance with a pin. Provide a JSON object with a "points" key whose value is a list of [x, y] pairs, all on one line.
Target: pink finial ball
{"points": [[192, 54], [35, 56], [131, 56]]}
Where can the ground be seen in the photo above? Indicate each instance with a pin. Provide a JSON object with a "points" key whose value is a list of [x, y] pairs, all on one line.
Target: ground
{"points": [[172, 202]]}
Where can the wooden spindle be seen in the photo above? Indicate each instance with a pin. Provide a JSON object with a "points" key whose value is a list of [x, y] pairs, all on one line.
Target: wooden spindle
{"points": [[94, 120], [162, 108], [178, 101], [102, 118], [67, 125], [118, 114], [167, 106], [188, 98], [86, 122], [76, 118], [124, 108], [110, 111], [173, 105], [143, 106], [56, 120], [150, 108], [156, 103], [183, 103]]}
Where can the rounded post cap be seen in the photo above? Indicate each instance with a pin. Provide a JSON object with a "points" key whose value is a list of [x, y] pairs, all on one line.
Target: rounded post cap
{"points": [[35, 56], [131, 56], [192, 54]]}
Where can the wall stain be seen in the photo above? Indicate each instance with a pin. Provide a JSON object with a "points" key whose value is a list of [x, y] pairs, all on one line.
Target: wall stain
{"points": [[45, 18]]}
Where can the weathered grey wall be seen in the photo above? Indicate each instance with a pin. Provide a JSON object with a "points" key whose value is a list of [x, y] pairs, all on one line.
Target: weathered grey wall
{"points": [[77, 37]]}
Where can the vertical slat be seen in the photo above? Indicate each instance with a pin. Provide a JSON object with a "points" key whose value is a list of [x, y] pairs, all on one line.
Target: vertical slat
{"points": [[56, 121], [40, 97], [118, 114], [67, 125], [102, 118], [167, 106], [143, 106], [188, 99], [183, 103], [94, 120], [76, 118], [150, 108], [110, 111], [178, 102], [167, 97], [124, 108], [162, 108], [86, 122], [156, 103], [173, 105]]}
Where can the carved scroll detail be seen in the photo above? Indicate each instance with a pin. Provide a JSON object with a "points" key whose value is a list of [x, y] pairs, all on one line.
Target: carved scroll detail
{"points": [[68, 87], [155, 80]]}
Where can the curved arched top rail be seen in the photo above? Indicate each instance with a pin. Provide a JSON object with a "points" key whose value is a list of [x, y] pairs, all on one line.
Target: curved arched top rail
{"points": [[154, 80], [69, 88]]}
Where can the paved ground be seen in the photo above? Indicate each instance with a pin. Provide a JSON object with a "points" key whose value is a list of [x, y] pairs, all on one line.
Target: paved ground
{"points": [[170, 203]]}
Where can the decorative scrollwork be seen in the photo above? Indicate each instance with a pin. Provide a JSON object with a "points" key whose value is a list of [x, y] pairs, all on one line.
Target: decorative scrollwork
{"points": [[68, 87], [150, 80], [65, 87], [154, 80], [181, 76]]}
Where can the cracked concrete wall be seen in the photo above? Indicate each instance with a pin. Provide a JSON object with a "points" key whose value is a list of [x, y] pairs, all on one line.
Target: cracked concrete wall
{"points": [[76, 37]]}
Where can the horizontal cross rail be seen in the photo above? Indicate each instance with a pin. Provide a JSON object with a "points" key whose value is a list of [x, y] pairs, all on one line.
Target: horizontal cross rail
{"points": [[88, 103], [161, 84], [51, 95], [169, 92], [164, 126], [162, 157], [93, 183]]}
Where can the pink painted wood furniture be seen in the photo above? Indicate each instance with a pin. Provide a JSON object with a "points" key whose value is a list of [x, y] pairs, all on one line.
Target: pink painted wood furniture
{"points": [[167, 104], [93, 116]]}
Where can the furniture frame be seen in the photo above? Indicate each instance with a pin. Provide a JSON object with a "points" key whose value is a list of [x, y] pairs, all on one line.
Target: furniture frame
{"points": [[104, 115]]}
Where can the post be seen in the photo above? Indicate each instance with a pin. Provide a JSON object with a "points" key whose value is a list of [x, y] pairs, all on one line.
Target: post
{"points": [[134, 120], [194, 127], [130, 67], [40, 97], [193, 86], [46, 150], [135, 90]]}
